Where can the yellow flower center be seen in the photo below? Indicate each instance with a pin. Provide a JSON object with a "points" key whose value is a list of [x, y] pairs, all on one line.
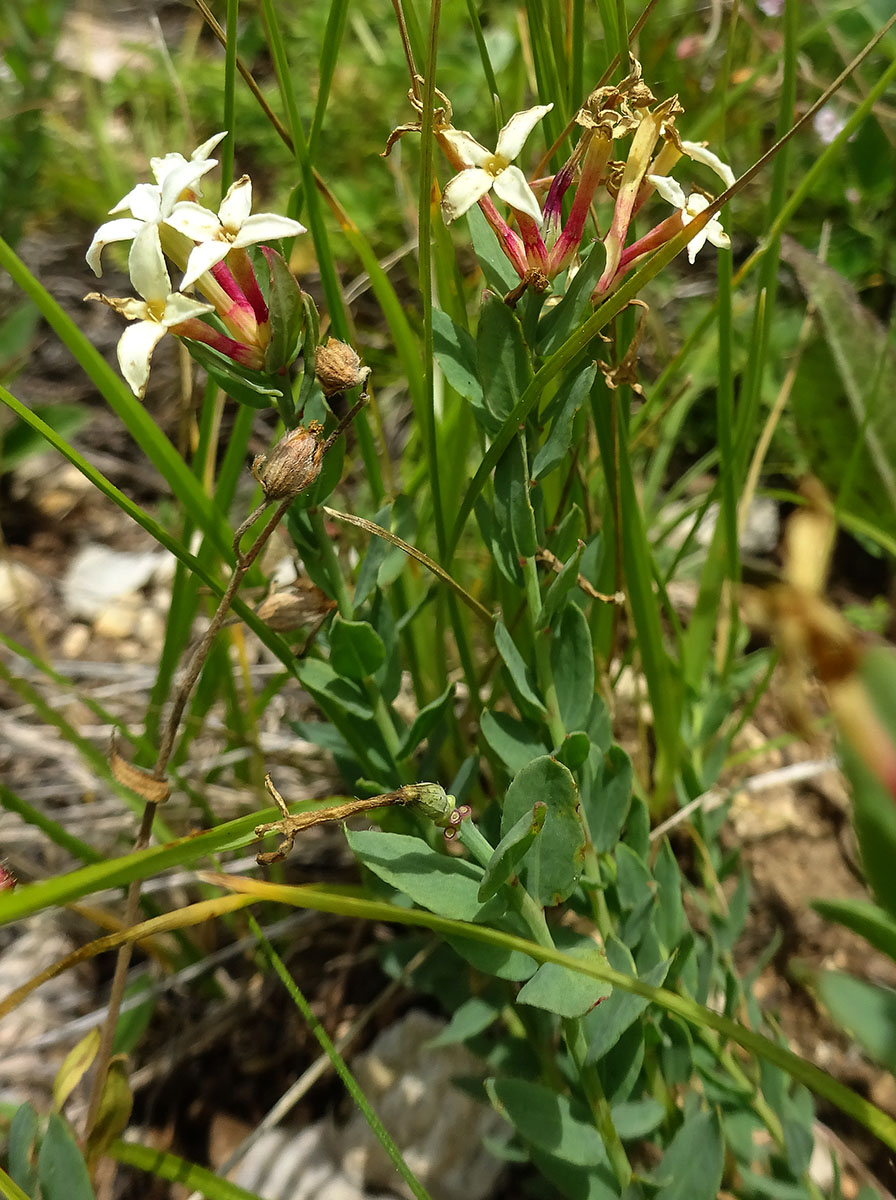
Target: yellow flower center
{"points": [[495, 164]]}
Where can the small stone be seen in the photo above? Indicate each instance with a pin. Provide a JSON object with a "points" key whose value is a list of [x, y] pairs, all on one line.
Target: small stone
{"points": [[149, 628], [19, 588], [75, 641], [118, 620]]}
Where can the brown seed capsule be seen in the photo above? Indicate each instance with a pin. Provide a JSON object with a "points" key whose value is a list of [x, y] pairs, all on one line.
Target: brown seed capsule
{"points": [[285, 611], [338, 368], [293, 464]]}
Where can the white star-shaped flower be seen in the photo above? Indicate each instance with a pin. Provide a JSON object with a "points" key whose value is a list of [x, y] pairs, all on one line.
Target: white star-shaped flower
{"points": [[485, 170], [230, 228], [690, 207], [154, 315], [151, 203]]}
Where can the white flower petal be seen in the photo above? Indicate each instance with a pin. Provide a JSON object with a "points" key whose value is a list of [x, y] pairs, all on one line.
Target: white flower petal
{"points": [[146, 265], [121, 230], [143, 202], [466, 147], [181, 308], [513, 136], [202, 258], [717, 235], [181, 177], [236, 205], [696, 244], [462, 192], [193, 221], [702, 155], [135, 349], [266, 227], [695, 204], [206, 148], [669, 189], [512, 187]]}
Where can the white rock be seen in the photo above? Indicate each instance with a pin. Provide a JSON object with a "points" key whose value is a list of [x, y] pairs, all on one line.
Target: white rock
{"points": [[98, 575]]}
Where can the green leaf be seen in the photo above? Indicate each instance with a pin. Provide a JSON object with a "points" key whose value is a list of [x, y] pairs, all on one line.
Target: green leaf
{"points": [[287, 313], [251, 388], [447, 886], [133, 1023], [579, 1183], [512, 965], [574, 750], [560, 587], [455, 353], [564, 318], [426, 720], [511, 849], [472, 1017], [572, 666], [633, 881], [514, 515], [502, 548], [323, 683], [550, 1121], [606, 1024], [867, 1011], [692, 1165], [563, 992], [552, 866], [608, 803], [495, 264], [356, 649], [61, 1169], [670, 921], [504, 367], [864, 918], [513, 661], [22, 1137], [514, 742], [571, 396], [637, 1118]]}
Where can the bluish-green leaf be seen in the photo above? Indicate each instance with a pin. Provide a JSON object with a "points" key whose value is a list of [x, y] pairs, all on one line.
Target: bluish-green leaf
{"points": [[692, 1165], [514, 515], [563, 992], [864, 918], [356, 649], [252, 388], [511, 849], [572, 394], [549, 1121], [472, 1017], [61, 1169], [495, 264], [21, 1138], [605, 1026], [514, 663], [322, 681], [608, 805], [455, 353], [287, 313], [867, 1011], [573, 750], [553, 865], [633, 880], [560, 586], [670, 921], [572, 665], [514, 742], [446, 886], [504, 366], [426, 720]]}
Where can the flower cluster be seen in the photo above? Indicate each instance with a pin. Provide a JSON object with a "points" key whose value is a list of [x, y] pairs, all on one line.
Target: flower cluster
{"points": [[234, 320], [542, 244]]}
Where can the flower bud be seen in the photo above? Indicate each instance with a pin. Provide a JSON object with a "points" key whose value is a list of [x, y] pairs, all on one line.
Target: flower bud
{"points": [[338, 367], [293, 464]]}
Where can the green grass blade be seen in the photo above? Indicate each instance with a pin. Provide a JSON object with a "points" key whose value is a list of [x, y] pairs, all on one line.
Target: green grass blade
{"points": [[165, 1165]]}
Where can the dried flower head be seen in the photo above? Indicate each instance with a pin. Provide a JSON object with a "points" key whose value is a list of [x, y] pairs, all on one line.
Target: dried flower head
{"points": [[338, 368], [293, 464]]}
